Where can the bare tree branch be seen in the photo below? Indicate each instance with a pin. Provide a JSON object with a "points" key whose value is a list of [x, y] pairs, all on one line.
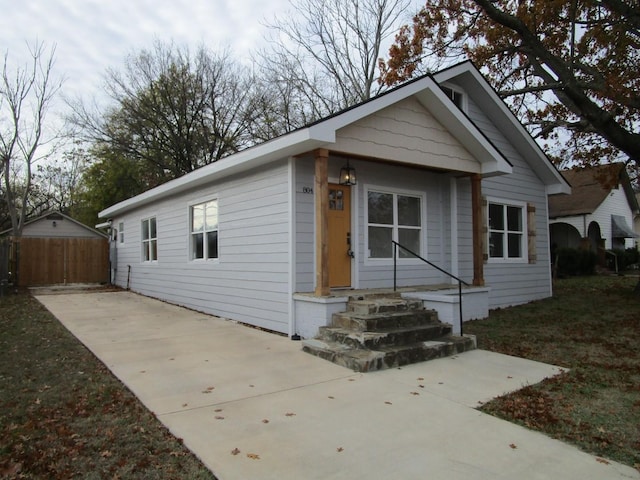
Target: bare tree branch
{"points": [[25, 97]]}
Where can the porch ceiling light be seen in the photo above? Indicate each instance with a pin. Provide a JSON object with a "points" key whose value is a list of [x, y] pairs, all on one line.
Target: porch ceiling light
{"points": [[347, 175]]}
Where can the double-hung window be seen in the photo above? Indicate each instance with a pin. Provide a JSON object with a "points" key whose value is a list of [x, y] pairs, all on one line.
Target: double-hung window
{"points": [[507, 231], [121, 232], [204, 230], [393, 216], [149, 240]]}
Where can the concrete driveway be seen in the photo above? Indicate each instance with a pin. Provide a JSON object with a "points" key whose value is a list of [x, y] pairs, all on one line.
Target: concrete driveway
{"points": [[252, 405]]}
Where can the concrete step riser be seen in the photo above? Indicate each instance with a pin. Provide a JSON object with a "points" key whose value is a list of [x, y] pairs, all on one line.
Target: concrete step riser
{"points": [[394, 358], [372, 340], [365, 323], [366, 307]]}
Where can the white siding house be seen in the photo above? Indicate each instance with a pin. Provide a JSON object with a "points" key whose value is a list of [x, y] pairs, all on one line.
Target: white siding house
{"points": [[599, 213], [270, 237]]}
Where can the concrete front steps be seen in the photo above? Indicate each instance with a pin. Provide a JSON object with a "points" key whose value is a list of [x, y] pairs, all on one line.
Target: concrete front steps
{"points": [[385, 331]]}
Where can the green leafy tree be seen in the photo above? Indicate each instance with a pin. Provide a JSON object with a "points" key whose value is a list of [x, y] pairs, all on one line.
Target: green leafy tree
{"points": [[171, 112], [568, 68], [108, 179]]}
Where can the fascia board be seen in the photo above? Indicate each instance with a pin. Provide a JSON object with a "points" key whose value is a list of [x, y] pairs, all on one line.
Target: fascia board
{"points": [[491, 161], [294, 143], [376, 104], [556, 188], [505, 119]]}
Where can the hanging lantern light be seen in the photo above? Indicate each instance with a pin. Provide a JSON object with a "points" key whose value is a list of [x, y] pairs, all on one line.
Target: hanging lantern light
{"points": [[347, 175]]}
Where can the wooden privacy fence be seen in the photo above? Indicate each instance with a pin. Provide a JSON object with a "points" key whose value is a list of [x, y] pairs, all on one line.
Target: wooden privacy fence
{"points": [[48, 261]]}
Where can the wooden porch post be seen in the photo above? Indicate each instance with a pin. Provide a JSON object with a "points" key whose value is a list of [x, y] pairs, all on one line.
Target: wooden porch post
{"points": [[321, 190], [478, 240]]}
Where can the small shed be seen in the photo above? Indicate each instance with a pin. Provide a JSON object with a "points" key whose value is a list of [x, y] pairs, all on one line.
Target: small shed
{"points": [[57, 249]]}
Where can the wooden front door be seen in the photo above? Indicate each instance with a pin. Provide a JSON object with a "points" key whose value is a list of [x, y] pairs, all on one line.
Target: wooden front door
{"points": [[340, 247]]}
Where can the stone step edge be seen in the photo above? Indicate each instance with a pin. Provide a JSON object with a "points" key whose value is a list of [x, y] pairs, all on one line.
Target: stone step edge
{"points": [[384, 336], [362, 360]]}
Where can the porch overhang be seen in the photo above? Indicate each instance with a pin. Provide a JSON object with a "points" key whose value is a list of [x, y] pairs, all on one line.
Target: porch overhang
{"points": [[621, 229], [490, 162]]}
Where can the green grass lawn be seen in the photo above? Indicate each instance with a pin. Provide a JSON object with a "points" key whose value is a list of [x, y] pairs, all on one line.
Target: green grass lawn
{"points": [[592, 327], [64, 415]]}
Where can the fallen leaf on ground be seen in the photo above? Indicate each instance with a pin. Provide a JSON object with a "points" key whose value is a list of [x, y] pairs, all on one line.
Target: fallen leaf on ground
{"points": [[513, 445], [289, 414], [105, 453], [340, 449], [218, 410], [253, 456], [11, 470], [330, 397], [602, 460], [509, 376], [388, 403], [265, 421], [420, 379], [415, 393], [235, 451], [219, 417], [184, 405]]}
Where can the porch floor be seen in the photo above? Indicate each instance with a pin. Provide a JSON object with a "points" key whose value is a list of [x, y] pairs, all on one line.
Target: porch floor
{"points": [[352, 292]]}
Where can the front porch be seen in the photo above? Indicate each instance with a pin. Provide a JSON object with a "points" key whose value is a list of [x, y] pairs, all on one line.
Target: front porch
{"points": [[312, 311]]}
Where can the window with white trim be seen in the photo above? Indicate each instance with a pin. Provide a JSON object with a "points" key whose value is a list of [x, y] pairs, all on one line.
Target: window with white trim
{"points": [[149, 240], [121, 232], [507, 231], [393, 216], [204, 230]]}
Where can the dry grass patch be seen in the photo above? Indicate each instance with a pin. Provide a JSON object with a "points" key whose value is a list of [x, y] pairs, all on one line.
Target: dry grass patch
{"points": [[592, 327]]}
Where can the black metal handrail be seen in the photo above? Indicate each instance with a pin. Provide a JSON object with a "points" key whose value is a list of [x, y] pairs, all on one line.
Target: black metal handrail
{"points": [[451, 275]]}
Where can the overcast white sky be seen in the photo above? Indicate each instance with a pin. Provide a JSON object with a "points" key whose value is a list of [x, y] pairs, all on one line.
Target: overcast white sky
{"points": [[92, 35]]}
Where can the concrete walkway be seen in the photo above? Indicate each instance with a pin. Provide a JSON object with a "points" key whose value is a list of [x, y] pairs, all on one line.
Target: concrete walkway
{"points": [[252, 405]]}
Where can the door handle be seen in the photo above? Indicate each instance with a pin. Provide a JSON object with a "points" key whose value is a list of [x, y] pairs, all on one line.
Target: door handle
{"points": [[349, 251]]}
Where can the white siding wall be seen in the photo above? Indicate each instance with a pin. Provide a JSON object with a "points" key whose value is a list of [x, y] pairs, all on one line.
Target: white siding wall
{"points": [[436, 232], [408, 133], [305, 225], [616, 203], [578, 222], [514, 283], [249, 282]]}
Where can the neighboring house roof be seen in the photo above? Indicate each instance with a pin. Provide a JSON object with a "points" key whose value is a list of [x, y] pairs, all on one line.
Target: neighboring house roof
{"points": [[589, 188], [56, 215], [322, 134]]}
